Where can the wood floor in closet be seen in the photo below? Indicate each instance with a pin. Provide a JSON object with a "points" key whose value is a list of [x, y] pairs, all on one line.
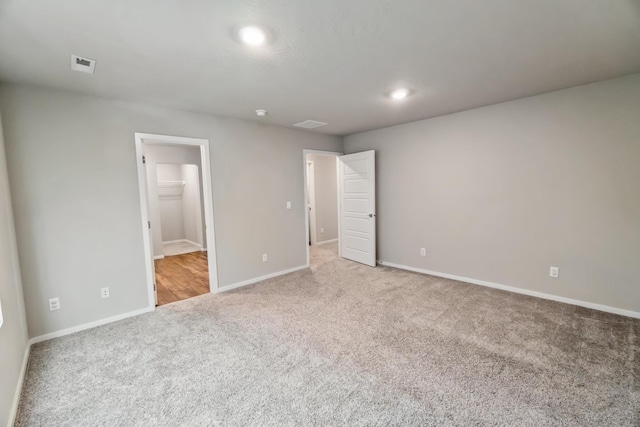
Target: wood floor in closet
{"points": [[180, 277]]}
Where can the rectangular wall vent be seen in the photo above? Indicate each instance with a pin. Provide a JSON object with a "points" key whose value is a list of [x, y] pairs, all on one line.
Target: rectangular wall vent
{"points": [[310, 124], [84, 65]]}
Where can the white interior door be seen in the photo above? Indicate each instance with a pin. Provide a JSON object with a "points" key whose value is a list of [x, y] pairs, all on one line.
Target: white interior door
{"points": [[357, 182]]}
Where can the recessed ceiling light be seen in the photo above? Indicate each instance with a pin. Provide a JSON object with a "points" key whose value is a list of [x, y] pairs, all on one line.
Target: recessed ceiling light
{"points": [[261, 113], [253, 36], [400, 93]]}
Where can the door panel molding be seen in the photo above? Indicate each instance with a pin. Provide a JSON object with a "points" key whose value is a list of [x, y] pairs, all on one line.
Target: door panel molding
{"points": [[357, 193]]}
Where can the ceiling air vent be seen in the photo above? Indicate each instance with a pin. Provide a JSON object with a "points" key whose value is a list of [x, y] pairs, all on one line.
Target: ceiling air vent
{"points": [[81, 64], [310, 124]]}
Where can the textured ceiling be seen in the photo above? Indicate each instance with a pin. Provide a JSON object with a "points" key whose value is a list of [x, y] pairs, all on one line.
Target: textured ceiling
{"points": [[329, 60]]}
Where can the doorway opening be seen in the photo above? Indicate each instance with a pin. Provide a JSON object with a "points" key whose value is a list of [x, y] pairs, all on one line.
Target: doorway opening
{"points": [[321, 196], [177, 217], [348, 199]]}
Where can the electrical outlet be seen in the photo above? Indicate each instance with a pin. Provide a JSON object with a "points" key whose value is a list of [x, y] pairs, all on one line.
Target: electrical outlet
{"points": [[423, 252], [54, 304], [264, 258], [554, 271], [288, 205], [322, 231], [104, 292]]}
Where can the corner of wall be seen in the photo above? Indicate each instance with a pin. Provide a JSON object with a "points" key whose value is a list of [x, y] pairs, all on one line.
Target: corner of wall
{"points": [[14, 333]]}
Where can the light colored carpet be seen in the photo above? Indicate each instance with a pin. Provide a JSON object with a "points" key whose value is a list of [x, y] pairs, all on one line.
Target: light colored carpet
{"points": [[178, 248], [344, 344]]}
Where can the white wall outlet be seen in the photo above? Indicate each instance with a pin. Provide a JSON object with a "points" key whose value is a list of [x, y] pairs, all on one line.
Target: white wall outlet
{"points": [[104, 292], [288, 205], [423, 252], [322, 231], [554, 271], [264, 258], [54, 304]]}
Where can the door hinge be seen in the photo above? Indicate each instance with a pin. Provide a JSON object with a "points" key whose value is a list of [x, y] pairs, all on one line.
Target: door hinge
{"points": [[154, 287], [144, 160], [149, 224]]}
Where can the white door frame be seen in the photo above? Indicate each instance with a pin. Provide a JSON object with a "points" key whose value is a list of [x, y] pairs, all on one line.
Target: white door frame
{"points": [[335, 154], [152, 139], [311, 200]]}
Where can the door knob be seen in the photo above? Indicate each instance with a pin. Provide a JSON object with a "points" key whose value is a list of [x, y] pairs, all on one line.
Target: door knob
{"points": [[371, 215]]}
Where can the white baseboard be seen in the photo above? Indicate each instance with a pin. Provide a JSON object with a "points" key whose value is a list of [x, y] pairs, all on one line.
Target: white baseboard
{"points": [[18, 393], [158, 257], [182, 241], [258, 279], [326, 242], [551, 297], [89, 325]]}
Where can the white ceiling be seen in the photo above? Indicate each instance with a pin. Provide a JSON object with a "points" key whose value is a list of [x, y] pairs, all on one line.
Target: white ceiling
{"points": [[330, 60]]}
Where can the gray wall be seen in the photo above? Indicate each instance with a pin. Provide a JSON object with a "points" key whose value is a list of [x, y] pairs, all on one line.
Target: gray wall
{"points": [[326, 191], [503, 192], [164, 154], [171, 215], [13, 333], [180, 215], [191, 205], [73, 175]]}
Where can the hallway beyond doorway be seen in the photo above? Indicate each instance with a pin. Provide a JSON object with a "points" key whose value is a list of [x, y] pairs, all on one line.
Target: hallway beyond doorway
{"points": [[322, 254]]}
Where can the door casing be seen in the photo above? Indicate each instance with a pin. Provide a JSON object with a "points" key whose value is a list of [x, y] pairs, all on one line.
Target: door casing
{"points": [[306, 192], [152, 139]]}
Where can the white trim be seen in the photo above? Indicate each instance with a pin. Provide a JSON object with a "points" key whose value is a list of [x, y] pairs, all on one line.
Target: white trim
{"points": [[260, 279], [326, 242], [16, 397], [145, 217], [182, 241], [322, 153], [305, 151], [146, 138], [311, 200], [193, 243], [89, 325], [338, 204], [158, 257], [542, 295]]}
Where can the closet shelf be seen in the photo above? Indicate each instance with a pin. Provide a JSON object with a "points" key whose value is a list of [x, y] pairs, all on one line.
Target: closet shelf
{"points": [[170, 189]]}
